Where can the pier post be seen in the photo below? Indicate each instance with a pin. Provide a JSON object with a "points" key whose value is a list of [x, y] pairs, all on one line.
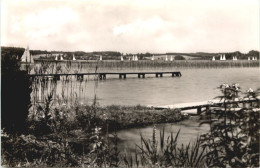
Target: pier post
{"points": [[79, 77], [139, 75], [161, 74], [143, 75], [124, 76], [104, 76], [56, 77], [199, 110], [173, 74], [156, 75], [207, 109], [120, 76]]}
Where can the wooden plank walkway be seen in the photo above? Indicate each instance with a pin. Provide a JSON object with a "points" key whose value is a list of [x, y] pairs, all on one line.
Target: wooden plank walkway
{"points": [[103, 75], [203, 104]]}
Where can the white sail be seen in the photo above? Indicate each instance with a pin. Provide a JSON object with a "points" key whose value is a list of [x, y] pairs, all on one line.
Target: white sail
{"points": [[27, 57], [220, 57], [253, 58], [56, 58], [61, 58], [213, 59], [171, 59], [122, 59], [224, 58], [136, 58], [248, 59], [166, 59], [153, 58], [100, 58], [74, 59]]}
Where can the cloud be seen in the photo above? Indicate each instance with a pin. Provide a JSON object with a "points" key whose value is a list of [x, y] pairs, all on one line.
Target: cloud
{"points": [[132, 26], [140, 26]]}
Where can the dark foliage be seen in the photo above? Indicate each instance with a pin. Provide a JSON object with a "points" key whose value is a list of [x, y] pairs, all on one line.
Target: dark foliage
{"points": [[233, 140], [15, 96], [179, 57]]}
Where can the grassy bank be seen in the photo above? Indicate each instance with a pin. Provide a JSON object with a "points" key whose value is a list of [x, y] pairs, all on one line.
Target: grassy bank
{"points": [[69, 135]]}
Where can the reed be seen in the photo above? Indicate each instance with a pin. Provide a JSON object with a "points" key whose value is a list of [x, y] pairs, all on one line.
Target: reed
{"points": [[89, 66], [166, 153]]}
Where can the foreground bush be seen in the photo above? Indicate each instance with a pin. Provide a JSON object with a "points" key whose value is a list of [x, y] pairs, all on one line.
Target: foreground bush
{"points": [[233, 140]]}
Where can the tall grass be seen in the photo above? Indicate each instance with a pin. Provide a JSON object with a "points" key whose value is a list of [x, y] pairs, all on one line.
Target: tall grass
{"points": [[158, 65], [167, 152]]}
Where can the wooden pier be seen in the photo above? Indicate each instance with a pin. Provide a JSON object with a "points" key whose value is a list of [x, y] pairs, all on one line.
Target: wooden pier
{"points": [[103, 75], [204, 104]]}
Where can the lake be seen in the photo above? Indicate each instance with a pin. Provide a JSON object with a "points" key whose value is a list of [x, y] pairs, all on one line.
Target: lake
{"points": [[194, 85]]}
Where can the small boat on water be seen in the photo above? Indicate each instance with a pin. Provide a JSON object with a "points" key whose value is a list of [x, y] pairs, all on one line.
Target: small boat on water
{"points": [[100, 58], [61, 58], [122, 59], [136, 58], [166, 59], [152, 58], [171, 59], [74, 59], [224, 58], [213, 59], [27, 57]]}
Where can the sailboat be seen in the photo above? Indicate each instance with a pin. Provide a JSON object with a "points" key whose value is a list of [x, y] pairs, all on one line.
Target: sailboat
{"points": [[122, 59], [27, 57], [100, 58], [74, 59], [171, 59], [61, 58], [56, 58], [136, 58], [166, 59], [213, 59], [153, 58], [221, 57], [224, 58], [248, 59]]}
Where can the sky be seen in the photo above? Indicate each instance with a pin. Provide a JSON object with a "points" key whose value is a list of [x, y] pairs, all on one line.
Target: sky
{"points": [[131, 26]]}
